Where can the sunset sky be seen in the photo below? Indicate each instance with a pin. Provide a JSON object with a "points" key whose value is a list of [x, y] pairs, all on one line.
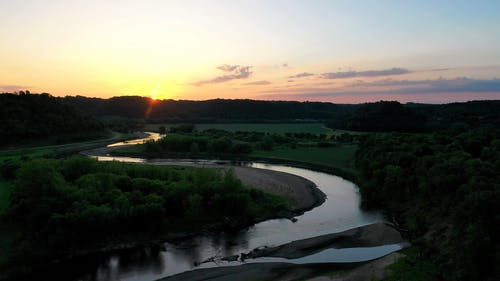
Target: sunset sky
{"points": [[339, 51]]}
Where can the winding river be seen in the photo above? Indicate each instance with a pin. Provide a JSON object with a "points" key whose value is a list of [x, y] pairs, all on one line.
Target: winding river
{"points": [[340, 212]]}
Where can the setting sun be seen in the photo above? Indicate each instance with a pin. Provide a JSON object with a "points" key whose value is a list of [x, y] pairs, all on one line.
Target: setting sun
{"points": [[155, 94], [197, 50]]}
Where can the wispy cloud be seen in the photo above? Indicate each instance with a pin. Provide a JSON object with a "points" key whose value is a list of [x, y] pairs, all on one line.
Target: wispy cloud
{"points": [[300, 75], [366, 73], [13, 88], [234, 72], [460, 84], [228, 67], [440, 69], [261, 82], [395, 88]]}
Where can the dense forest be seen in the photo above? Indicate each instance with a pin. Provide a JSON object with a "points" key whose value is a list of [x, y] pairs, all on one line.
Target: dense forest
{"points": [[180, 111], [22, 112], [378, 117], [381, 116], [61, 207], [26, 117], [391, 116], [444, 189]]}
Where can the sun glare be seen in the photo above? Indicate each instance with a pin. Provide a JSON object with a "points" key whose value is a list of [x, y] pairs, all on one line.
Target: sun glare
{"points": [[155, 94], [166, 90]]}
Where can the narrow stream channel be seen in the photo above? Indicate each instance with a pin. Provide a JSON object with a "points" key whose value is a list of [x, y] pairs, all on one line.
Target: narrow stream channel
{"points": [[340, 212]]}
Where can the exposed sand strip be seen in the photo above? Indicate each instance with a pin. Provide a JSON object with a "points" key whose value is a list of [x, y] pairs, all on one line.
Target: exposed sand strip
{"points": [[302, 192]]}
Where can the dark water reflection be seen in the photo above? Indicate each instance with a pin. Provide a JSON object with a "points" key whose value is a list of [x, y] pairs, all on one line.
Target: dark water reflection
{"points": [[140, 261]]}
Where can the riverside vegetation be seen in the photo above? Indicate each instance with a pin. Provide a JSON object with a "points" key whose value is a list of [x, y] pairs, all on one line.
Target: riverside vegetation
{"points": [[444, 188], [61, 207], [333, 152]]}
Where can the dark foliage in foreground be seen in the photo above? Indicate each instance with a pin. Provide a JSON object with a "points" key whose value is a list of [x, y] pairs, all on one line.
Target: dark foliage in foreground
{"points": [[27, 117], [445, 189], [63, 206]]}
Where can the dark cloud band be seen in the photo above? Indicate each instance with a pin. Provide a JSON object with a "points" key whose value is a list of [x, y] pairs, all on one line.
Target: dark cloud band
{"points": [[397, 88], [261, 82], [300, 75], [367, 73]]}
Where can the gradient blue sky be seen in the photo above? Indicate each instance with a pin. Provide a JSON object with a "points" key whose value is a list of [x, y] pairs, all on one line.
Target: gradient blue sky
{"points": [[343, 51]]}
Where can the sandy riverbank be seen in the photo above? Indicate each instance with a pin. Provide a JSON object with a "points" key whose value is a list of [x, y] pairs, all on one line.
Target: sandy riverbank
{"points": [[366, 236], [303, 193], [371, 235], [367, 271]]}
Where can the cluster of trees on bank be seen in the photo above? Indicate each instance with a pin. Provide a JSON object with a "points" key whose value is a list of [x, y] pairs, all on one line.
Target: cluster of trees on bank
{"points": [[445, 190], [195, 145], [26, 117], [64, 205], [186, 142]]}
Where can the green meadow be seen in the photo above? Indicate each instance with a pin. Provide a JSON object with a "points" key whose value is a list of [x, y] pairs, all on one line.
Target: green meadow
{"points": [[50, 150], [339, 157]]}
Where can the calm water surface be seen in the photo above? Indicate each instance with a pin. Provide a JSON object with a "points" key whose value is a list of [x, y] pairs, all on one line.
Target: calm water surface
{"points": [[340, 212]]}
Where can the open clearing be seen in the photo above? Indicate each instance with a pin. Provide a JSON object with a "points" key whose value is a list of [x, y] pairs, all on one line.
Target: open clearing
{"points": [[339, 157]]}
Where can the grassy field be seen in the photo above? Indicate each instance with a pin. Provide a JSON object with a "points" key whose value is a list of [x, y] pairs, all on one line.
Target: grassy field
{"points": [[339, 157], [281, 128], [39, 151]]}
